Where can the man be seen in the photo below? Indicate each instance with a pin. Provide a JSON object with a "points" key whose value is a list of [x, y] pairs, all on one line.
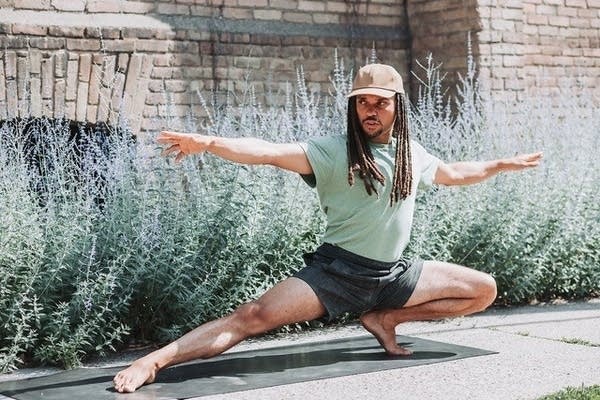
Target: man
{"points": [[360, 267]]}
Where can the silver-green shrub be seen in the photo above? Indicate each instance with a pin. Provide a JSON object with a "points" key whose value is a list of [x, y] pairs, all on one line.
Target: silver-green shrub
{"points": [[106, 242], [536, 231]]}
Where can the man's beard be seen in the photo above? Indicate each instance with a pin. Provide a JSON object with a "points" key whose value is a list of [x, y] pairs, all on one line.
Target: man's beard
{"points": [[371, 134]]}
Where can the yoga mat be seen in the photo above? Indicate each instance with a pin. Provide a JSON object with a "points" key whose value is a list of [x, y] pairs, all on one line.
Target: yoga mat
{"points": [[243, 370]]}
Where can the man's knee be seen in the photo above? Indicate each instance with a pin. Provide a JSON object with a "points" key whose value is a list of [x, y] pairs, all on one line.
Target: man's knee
{"points": [[487, 290], [252, 318]]}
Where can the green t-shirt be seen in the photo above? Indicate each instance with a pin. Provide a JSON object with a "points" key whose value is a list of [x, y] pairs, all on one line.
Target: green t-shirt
{"points": [[365, 225]]}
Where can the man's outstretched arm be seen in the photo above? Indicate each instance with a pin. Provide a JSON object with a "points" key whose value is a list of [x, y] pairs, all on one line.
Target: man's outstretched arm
{"points": [[289, 156], [469, 172]]}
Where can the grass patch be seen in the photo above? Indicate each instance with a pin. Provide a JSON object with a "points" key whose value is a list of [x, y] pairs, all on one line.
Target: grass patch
{"points": [[582, 393], [581, 342]]}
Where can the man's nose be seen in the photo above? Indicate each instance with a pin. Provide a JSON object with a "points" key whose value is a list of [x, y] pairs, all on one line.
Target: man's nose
{"points": [[371, 110]]}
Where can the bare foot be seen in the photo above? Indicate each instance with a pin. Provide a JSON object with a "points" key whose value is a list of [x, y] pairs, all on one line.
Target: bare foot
{"points": [[373, 321], [138, 374]]}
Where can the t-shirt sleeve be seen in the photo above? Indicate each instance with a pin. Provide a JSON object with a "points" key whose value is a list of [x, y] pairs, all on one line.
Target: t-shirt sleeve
{"points": [[321, 153], [427, 164]]}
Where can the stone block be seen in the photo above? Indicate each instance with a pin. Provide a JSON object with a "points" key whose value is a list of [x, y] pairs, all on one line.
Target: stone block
{"points": [[104, 6], [12, 105], [47, 77], [513, 37], [298, 17], [138, 7], [172, 9], [85, 64], [32, 4], [176, 86], [47, 43], [512, 61], [10, 64], [253, 3], [555, 20], [503, 25], [36, 98], [117, 95], [546, 10], [152, 46], [2, 85], [133, 73], [548, 30], [162, 73], [238, 13], [103, 33], [47, 109], [122, 62], [35, 61], [83, 44], [156, 86], [512, 14], [27, 29], [150, 112], [22, 77], [59, 98], [162, 60], [67, 31], [81, 106], [23, 108], [70, 110], [183, 47], [537, 19], [91, 113], [576, 3], [319, 18], [94, 84], [60, 63], [267, 14], [138, 33], [68, 5], [72, 79], [284, 4], [120, 46], [580, 23], [184, 59]]}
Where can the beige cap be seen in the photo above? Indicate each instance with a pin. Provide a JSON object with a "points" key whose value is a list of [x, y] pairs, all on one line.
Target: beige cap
{"points": [[377, 79]]}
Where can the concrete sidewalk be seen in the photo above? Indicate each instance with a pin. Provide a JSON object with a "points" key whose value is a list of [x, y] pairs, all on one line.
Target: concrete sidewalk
{"points": [[541, 349]]}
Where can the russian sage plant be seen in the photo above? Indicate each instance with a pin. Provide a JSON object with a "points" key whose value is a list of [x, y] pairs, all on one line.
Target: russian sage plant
{"points": [[103, 243]]}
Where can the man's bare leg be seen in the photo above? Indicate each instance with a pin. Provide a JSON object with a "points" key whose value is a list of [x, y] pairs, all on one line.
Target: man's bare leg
{"points": [[291, 300], [443, 290]]}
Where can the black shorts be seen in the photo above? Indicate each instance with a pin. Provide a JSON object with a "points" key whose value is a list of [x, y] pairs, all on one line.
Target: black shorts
{"points": [[346, 282]]}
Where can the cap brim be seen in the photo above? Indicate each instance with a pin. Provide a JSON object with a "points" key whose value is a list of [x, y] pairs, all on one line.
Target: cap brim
{"points": [[374, 91]]}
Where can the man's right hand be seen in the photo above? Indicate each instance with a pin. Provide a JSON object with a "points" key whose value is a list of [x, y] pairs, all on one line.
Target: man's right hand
{"points": [[183, 144]]}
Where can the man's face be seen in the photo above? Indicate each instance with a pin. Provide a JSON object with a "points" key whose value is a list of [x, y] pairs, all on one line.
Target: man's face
{"points": [[376, 115]]}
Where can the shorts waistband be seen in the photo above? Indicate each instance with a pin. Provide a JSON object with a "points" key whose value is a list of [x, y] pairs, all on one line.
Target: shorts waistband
{"points": [[332, 251]]}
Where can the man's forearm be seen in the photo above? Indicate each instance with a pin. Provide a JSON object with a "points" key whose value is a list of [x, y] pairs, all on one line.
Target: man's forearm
{"points": [[470, 172], [240, 150]]}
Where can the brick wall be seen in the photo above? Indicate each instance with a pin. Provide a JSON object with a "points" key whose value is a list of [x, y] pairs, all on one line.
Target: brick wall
{"points": [[144, 60], [100, 60], [561, 45], [539, 47], [441, 29]]}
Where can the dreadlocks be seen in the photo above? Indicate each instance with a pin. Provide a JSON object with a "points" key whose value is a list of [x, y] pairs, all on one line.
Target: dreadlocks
{"points": [[360, 157]]}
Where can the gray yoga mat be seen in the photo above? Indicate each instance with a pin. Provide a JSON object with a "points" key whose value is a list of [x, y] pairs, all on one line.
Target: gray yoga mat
{"points": [[243, 370]]}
